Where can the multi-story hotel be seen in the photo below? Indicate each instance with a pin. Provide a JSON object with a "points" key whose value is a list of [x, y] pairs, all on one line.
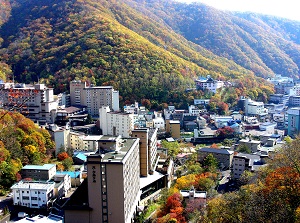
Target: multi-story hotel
{"points": [[94, 97], [111, 191], [34, 101], [115, 123]]}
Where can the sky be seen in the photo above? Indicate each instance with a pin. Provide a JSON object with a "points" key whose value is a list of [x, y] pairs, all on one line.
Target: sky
{"points": [[283, 8]]}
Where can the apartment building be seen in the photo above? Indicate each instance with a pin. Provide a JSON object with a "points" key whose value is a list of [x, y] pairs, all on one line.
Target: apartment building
{"points": [[115, 123], [284, 87], [279, 99], [37, 101], [32, 194], [294, 101], [253, 145], [38, 172], [173, 127], [93, 97], [223, 156], [242, 162], [254, 107], [111, 191]]}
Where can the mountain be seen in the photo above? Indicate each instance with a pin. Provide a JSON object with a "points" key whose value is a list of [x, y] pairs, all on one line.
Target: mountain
{"points": [[147, 49], [263, 44]]}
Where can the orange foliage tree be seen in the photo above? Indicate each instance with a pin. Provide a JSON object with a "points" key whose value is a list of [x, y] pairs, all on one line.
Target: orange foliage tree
{"points": [[173, 208], [62, 156]]}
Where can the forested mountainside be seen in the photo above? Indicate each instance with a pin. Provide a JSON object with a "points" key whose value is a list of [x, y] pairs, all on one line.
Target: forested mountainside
{"points": [[146, 49], [265, 45]]}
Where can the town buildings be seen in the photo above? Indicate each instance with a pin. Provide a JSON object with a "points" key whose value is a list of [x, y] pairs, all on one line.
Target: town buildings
{"points": [[243, 161]]}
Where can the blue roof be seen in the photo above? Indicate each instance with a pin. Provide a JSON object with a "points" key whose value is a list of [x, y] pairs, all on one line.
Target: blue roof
{"points": [[81, 156], [72, 174], [38, 167]]}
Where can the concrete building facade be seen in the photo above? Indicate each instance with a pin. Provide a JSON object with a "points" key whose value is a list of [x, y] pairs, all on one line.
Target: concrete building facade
{"points": [[37, 172], [115, 123], [223, 156], [293, 121], [32, 194], [94, 97]]}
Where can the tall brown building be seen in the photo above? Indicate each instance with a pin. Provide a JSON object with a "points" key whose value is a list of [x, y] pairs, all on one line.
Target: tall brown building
{"points": [[148, 149]]}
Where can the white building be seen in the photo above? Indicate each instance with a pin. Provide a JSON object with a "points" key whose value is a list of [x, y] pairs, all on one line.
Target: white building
{"points": [[60, 136], [115, 123], [201, 101], [254, 107], [65, 179], [294, 101], [90, 142], [194, 110], [32, 194], [209, 84], [158, 121]]}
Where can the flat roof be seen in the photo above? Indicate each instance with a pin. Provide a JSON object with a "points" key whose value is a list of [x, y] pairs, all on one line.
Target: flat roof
{"points": [[118, 155], [33, 185], [212, 150], [145, 181], [197, 194], [42, 219], [38, 167]]}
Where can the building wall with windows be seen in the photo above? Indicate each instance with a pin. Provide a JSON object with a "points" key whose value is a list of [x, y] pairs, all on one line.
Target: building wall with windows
{"points": [[94, 97], [38, 172], [115, 123], [32, 194], [293, 121]]}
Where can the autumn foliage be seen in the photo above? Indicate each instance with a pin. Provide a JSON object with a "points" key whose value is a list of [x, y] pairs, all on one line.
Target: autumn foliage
{"points": [[62, 156], [21, 143], [172, 209]]}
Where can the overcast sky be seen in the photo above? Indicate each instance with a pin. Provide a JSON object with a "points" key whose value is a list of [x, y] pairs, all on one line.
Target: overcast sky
{"points": [[283, 8]]}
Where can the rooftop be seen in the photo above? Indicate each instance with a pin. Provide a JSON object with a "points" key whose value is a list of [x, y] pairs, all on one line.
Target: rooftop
{"points": [[38, 167], [33, 185], [42, 219], [220, 151], [117, 156]]}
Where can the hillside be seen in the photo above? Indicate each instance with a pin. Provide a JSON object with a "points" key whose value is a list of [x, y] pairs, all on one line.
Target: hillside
{"points": [[251, 43], [142, 49]]}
